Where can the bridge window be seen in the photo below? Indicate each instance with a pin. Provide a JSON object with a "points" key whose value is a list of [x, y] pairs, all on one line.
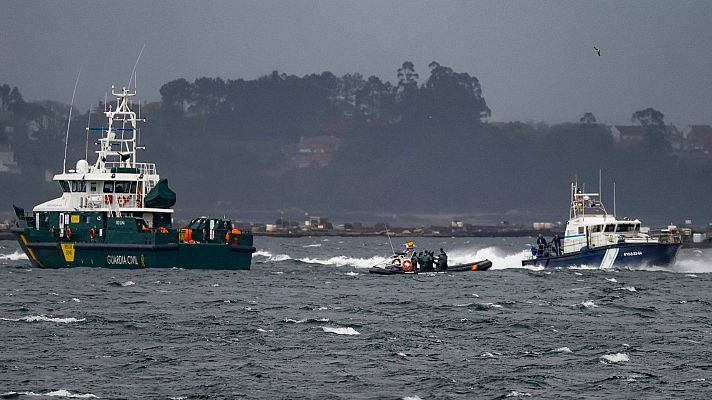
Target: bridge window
{"points": [[626, 228], [610, 228], [79, 186], [64, 185], [596, 228], [109, 187], [92, 186], [122, 187]]}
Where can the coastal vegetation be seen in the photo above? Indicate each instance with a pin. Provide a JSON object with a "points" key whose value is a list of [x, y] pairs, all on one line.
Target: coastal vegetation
{"points": [[322, 142]]}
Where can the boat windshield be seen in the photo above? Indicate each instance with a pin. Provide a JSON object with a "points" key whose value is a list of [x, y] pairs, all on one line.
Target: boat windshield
{"points": [[628, 228], [594, 208]]}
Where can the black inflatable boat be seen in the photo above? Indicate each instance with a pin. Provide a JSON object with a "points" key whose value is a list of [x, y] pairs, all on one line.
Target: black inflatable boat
{"points": [[393, 269]]}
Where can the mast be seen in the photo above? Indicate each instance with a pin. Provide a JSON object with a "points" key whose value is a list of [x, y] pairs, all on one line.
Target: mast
{"points": [[122, 136]]}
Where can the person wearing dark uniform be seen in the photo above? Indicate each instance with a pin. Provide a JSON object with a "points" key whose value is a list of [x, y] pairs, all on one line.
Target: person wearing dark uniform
{"points": [[414, 261], [442, 261], [557, 245], [541, 245], [426, 262], [422, 261]]}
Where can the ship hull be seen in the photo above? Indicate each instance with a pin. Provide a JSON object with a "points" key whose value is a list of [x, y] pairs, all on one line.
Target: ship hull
{"points": [[618, 256], [136, 256]]}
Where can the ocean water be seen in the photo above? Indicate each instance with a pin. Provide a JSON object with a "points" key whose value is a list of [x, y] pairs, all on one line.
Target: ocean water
{"points": [[309, 322]]}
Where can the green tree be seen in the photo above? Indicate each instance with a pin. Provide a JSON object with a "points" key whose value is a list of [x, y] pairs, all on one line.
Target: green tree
{"points": [[176, 94], [588, 118], [407, 88], [654, 143], [451, 95], [375, 97], [648, 117]]}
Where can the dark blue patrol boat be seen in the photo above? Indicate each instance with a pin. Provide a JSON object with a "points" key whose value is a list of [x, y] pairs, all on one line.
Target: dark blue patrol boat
{"points": [[595, 238]]}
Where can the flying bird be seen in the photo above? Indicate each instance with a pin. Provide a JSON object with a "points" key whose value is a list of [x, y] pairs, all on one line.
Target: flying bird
{"points": [[597, 50]]}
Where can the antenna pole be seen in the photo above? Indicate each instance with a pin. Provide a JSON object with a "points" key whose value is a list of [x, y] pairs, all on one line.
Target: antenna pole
{"points": [[614, 199], [69, 121], [133, 71], [86, 150], [600, 196], [389, 239]]}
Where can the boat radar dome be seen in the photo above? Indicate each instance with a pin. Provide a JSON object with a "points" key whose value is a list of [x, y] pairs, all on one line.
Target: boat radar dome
{"points": [[82, 166]]}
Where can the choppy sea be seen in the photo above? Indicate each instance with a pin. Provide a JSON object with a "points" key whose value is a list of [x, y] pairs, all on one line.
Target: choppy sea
{"points": [[309, 322]]}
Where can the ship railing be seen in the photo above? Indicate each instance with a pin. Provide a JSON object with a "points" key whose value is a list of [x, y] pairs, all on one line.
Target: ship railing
{"points": [[143, 168], [667, 236], [111, 200]]}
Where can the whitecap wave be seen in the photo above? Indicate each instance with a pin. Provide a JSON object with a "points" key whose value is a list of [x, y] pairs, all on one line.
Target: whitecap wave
{"points": [[44, 318], [616, 358], [262, 253], [312, 245], [701, 263], [341, 261], [17, 255], [128, 283], [341, 331], [611, 280], [514, 393], [412, 398], [562, 350], [301, 321], [54, 393], [271, 257], [584, 267], [628, 288], [589, 304], [76, 300], [352, 273], [500, 259]]}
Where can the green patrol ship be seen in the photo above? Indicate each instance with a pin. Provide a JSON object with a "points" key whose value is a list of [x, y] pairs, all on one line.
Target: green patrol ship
{"points": [[117, 213]]}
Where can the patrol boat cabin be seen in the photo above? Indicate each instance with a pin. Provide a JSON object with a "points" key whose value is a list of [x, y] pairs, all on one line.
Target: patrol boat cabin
{"points": [[595, 237], [115, 185]]}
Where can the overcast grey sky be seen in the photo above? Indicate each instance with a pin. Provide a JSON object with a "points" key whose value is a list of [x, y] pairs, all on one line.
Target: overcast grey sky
{"points": [[535, 60]]}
